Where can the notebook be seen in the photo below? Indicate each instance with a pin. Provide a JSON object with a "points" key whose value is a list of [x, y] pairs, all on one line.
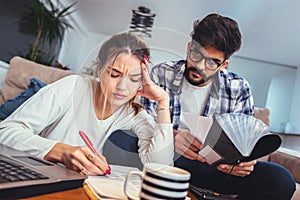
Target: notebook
{"points": [[112, 186], [22, 175]]}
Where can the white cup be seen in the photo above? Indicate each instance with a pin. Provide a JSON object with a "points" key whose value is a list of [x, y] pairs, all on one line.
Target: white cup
{"points": [[159, 182]]}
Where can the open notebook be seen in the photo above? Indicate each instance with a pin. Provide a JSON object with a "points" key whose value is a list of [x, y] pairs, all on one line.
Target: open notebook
{"points": [[23, 176], [111, 186]]}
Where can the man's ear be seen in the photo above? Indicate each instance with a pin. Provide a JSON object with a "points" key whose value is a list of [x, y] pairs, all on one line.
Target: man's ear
{"points": [[188, 46], [224, 65]]}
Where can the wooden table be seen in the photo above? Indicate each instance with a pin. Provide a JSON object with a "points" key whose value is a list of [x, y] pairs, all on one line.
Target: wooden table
{"points": [[77, 193], [74, 194]]}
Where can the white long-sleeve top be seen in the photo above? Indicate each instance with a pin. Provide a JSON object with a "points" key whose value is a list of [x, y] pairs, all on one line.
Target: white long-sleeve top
{"points": [[58, 111]]}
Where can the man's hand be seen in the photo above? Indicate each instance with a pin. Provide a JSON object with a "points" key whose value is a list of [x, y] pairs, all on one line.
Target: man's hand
{"points": [[187, 145], [242, 169]]}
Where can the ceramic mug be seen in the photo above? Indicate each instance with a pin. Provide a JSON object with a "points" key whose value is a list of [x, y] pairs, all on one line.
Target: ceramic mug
{"points": [[159, 182]]}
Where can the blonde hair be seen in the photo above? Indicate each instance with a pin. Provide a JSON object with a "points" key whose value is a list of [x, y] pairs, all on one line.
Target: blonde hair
{"points": [[116, 45]]}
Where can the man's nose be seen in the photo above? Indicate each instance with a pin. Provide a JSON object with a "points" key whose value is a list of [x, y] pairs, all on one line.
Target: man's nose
{"points": [[201, 64]]}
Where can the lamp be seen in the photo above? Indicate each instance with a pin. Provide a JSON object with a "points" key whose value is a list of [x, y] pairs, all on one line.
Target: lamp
{"points": [[142, 21]]}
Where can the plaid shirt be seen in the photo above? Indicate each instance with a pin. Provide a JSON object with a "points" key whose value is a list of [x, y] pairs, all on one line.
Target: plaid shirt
{"points": [[229, 92]]}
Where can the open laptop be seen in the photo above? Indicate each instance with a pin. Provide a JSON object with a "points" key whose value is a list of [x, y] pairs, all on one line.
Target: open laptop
{"points": [[23, 176]]}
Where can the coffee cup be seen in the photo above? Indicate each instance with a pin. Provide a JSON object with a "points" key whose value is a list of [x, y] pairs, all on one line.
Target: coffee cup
{"points": [[159, 182]]}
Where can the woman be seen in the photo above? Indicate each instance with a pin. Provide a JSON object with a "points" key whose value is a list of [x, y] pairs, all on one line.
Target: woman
{"points": [[47, 125]]}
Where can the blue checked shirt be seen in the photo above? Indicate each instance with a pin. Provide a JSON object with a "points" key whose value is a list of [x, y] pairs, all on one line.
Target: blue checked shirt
{"points": [[229, 92]]}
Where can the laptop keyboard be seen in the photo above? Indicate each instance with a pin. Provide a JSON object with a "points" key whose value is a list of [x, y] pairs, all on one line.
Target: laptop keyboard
{"points": [[11, 172]]}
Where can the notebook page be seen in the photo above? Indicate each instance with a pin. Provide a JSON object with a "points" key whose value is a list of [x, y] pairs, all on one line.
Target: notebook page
{"points": [[111, 186]]}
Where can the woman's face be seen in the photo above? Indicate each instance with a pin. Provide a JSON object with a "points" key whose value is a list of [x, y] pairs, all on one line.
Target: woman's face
{"points": [[122, 79]]}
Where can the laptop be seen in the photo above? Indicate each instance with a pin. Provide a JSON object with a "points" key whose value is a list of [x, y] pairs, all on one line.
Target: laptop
{"points": [[22, 175]]}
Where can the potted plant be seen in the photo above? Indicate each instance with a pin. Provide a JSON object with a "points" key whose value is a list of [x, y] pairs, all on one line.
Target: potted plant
{"points": [[48, 25]]}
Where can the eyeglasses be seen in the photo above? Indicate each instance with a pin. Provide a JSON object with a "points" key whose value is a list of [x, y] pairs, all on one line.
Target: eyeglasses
{"points": [[210, 63]]}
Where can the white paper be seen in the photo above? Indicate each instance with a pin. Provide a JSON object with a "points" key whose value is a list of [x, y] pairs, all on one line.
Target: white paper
{"points": [[198, 126], [210, 155], [243, 130], [111, 186]]}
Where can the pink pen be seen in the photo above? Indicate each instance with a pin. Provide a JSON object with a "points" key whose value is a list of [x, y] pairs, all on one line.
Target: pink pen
{"points": [[88, 143]]}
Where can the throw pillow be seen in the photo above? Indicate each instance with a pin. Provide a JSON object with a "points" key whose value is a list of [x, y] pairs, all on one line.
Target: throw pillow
{"points": [[12, 104]]}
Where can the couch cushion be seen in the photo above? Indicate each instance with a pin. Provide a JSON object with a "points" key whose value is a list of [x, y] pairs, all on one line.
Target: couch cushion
{"points": [[290, 159], [19, 73], [263, 114], [12, 104]]}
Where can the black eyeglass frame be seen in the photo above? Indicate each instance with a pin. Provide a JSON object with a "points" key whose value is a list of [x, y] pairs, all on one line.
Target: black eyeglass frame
{"points": [[205, 58]]}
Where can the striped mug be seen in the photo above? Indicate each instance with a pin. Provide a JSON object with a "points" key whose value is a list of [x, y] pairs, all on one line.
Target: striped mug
{"points": [[159, 182]]}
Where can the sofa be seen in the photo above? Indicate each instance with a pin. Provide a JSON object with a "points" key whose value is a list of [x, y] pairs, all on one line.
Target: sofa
{"points": [[290, 159], [20, 71]]}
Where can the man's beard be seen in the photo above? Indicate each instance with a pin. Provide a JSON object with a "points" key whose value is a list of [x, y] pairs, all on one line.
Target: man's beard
{"points": [[204, 79]]}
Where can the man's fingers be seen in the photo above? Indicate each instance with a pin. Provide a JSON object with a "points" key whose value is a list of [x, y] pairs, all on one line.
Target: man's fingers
{"points": [[243, 169], [186, 152], [188, 146]]}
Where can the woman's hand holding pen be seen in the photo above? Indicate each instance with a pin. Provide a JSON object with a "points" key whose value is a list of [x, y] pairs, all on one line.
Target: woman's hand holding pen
{"points": [[79, 158]]}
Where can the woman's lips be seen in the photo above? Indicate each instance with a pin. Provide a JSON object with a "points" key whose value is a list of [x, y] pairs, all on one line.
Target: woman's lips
{"points": [[119, 96]]}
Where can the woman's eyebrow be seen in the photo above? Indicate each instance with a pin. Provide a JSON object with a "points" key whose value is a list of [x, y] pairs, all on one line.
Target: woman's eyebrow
{"points": [[115, 70], [139, 74]]}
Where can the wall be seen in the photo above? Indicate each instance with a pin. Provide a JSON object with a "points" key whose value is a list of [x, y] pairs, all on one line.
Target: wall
{"points": [[74, 50], [280, 99], [11, 39], [295, 106], [16, 38], [272, 87]]}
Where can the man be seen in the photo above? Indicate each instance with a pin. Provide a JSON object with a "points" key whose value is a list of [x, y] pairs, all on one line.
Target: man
{"points": [[202, 85]]}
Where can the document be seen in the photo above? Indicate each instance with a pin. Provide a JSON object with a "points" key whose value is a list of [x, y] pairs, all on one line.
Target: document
{"points": [[198, 126], [111, 186]]}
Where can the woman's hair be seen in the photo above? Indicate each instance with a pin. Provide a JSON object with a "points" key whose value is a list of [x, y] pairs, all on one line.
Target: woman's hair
{"points": [[218, 31], [116, 45]]}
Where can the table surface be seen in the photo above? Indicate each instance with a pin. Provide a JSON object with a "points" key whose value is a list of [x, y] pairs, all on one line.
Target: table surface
{"points": [[77, 193]]}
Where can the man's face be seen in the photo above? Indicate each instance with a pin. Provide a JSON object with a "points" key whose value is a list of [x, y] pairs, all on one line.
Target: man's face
{"points": [[202, 64]]}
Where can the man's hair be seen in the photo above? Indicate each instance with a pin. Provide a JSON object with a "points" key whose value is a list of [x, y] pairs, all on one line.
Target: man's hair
{"points": [[218, 31]]}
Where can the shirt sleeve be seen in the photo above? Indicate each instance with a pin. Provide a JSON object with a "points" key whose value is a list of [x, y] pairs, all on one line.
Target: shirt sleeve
{"points": [[244, 100], [22, 129], [155, 140]]}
